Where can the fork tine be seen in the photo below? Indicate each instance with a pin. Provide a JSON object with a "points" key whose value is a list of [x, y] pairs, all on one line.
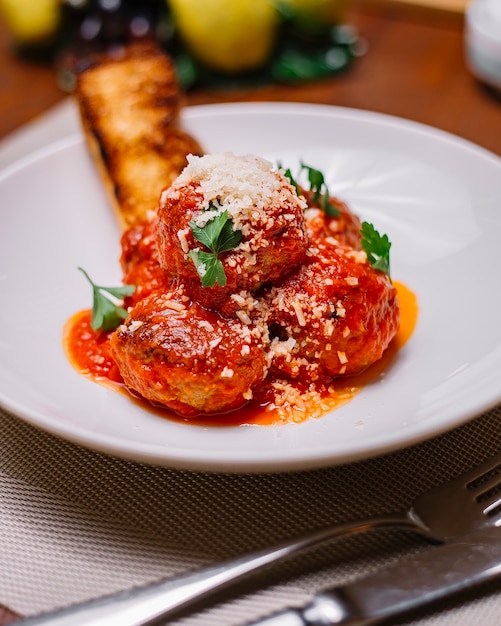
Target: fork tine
{"points": [[486, 488], [483, 489], [484, 476], [493, 510]]}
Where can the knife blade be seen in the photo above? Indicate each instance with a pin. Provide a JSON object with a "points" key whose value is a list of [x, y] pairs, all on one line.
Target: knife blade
{"points": [[412, 582]]}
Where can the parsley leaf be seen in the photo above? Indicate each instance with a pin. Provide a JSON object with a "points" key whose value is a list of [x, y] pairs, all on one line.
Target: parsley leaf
{"points": [[329, 207], [320, 190], [107, 314], [377, 247], [290, 177], [316, 180], [209, 268], [318, 186], [218, 236]]}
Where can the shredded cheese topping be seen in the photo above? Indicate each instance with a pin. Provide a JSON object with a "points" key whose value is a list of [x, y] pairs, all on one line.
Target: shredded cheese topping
{"points": [[247, 187]]}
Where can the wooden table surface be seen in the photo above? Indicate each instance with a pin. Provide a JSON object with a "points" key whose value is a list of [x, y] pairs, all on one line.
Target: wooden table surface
{"points": [[414, 68]]}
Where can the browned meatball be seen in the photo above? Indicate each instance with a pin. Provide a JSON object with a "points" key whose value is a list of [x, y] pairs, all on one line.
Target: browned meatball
{"points": [[139, 261], [336, 315], [344, 227], [263, 207], [172, 351]]}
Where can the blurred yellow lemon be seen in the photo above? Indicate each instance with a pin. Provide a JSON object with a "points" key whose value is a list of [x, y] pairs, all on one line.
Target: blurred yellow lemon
{"points": [[317, 12], [227, 36], [31, 21]]}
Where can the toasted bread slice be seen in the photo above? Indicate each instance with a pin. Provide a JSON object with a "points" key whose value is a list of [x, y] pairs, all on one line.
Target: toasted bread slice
{"points": [[129, 109]]}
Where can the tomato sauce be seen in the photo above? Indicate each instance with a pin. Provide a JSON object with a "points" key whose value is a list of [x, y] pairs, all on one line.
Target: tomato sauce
{"points": [[89, 350], [89, 353]]}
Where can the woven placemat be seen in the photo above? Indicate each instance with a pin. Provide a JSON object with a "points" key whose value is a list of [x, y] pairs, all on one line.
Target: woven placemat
{"points": [[76, 524]]}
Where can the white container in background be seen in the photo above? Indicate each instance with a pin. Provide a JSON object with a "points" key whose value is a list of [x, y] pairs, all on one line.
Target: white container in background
{"points": [[483, 40]]}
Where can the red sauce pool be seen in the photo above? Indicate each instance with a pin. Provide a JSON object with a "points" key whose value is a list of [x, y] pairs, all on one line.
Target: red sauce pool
{"points": [[89, 353]]}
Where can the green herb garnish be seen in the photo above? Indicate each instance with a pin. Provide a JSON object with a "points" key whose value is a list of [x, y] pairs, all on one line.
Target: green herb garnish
{"points": [[377, 247], [318, 186], [106, 313], [320, 191], [218, 236], [291, 179], [316, 180]]}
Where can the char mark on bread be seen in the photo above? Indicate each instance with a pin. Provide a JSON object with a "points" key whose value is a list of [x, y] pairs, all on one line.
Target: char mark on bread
{"points": [[129, 106]]}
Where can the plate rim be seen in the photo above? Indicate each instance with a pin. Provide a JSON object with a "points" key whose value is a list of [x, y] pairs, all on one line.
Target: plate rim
{"points": [[176, 458]]}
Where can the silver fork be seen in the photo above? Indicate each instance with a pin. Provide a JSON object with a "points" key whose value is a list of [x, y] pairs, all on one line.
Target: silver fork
{"points": [[465, 504]]}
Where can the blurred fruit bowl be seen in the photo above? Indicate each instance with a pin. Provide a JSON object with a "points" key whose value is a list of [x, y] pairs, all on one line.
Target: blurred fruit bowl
{"points": [[213, 42], [221, 43]]}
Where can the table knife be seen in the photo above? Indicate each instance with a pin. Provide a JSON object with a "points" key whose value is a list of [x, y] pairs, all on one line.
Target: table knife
{"points": [[412, 582]]}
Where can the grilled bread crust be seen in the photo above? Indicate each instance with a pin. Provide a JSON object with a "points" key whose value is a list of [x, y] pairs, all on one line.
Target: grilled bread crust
{"points": [[129, 107]]}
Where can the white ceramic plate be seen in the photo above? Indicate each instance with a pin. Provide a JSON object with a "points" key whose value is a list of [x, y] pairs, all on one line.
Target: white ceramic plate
{"points": [[436, 196]]}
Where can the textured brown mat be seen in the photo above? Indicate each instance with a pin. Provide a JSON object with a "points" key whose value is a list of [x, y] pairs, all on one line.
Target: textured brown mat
{"points": [[75, 524]]}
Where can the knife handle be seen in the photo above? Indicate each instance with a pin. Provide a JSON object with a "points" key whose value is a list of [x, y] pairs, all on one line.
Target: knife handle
{"points": [[405, 585]]}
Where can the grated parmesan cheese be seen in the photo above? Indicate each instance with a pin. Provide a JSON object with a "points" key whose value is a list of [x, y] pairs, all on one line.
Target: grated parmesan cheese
{"points": [[342, 357], [359, 256], [134, 325], [244, 186], [207, 325], [227, 373], [299, 313], [174, 306], [181, 235]]}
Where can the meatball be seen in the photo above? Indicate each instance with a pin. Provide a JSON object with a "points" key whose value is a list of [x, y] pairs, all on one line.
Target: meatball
{"points": [[174, 352], [334, 316], [345, 226], [139, 261], [264, 211]]}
